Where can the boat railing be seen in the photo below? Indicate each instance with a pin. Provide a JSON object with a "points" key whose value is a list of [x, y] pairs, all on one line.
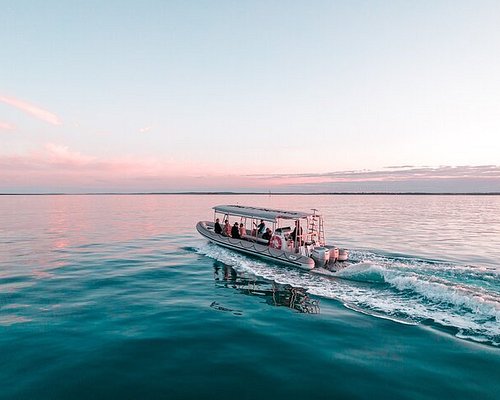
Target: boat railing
{"points": [[284, 232]]}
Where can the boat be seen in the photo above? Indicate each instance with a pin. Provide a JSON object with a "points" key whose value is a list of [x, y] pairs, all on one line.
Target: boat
{"points": [[293, 238]]}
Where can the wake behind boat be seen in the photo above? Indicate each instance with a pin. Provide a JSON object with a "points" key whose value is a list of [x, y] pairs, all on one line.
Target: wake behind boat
{"points": [[293, 238]]}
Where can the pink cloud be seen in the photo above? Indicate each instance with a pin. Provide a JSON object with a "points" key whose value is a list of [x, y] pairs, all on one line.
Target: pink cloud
{"points": [[482, 178], [403, 173], [57, 154], [58, 168], [5, 126], [145, 129], [32, 110]]}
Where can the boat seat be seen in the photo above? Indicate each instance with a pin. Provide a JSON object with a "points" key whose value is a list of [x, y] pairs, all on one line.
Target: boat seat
{"points": [[257, 240]]}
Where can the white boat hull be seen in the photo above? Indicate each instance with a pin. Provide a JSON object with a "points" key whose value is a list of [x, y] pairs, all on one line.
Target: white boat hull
{"points": [[250, 247]]}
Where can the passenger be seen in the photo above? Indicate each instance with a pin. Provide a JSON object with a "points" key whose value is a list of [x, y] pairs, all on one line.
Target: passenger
{"points": [[294, 236], [243, 231], [261, 228], [267, 235], [217, 227], [227, 228], [235, 232]]}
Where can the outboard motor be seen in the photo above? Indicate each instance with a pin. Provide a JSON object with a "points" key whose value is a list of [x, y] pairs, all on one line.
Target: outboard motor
{"points": [[343, 255], [321, 256], [334, 253]]}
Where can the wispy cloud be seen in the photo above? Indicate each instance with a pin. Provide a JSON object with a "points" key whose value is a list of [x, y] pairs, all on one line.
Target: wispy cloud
{"points": [[58, 168], [62, 155], [482, 178], [60, 159], [394, 174], [145, 129], [5, 126], [32, 110]]}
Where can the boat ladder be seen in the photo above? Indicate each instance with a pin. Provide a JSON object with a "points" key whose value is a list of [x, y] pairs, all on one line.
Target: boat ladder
{"points": [[316, 228]]}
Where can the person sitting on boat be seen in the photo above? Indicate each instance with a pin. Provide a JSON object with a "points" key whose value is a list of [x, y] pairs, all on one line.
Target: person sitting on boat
{"points": [[217, 227], [268, 234], [261, 228], [293, 236], [235, 231], [227, 228], [243, 231]]}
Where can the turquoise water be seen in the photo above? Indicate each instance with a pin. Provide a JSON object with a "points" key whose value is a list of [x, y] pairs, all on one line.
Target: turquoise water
{"points": [[119, 297]]}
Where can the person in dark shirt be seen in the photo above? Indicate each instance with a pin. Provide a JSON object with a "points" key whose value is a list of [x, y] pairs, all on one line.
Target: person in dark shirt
{"points": [[217, 227], [298, 237], [267, 235], [261, 228], [235, 231]]}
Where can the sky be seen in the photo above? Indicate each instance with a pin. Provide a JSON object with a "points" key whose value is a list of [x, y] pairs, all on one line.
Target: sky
{"points": [[313, 96]]}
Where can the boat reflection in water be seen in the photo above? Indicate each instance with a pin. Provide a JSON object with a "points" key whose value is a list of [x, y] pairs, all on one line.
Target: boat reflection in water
{"points": [[275, 294]]}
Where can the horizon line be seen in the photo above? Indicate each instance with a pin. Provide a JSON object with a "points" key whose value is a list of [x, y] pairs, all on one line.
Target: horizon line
{"points": [[256, 193]]}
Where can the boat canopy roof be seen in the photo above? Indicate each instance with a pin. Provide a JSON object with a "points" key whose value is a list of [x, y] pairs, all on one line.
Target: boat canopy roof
{"points": [[266, 214]]}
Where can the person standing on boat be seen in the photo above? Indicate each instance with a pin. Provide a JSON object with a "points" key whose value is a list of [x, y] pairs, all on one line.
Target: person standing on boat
{"points": [[217, 227], [297, 238], [235, 231], [227, 228], [261, 228]]}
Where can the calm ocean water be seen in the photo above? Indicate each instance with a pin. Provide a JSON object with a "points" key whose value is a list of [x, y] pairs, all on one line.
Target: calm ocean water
{"points": [[119, 297]]}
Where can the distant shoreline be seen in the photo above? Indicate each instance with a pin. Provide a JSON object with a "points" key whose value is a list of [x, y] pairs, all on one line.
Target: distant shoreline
{"points": [[259, 194]]}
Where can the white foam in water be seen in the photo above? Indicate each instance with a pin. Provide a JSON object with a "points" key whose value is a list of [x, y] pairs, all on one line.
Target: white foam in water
{"points": [[410, 290], [362, 272]]}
